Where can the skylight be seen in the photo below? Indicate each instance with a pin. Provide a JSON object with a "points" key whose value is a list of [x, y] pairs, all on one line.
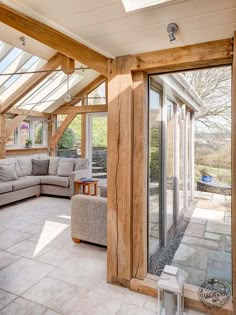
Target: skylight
{"points": [[132, 5]]}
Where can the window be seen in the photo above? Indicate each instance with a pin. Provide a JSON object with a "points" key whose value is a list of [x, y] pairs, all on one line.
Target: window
{"points": [[24, 132], [38, 132], [98, 95], [131, 5], [34, 129]]}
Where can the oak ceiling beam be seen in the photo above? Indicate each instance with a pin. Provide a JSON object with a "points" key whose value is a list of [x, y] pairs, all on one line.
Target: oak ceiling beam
{"points": [[32, 82], [62, 128], [32, 113], [15, 122], [68, 65], [54, 39], [188, 57], [81, 109]]}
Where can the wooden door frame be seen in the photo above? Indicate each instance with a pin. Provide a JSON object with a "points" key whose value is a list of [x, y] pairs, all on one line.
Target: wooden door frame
{"points": [[127, 155]]}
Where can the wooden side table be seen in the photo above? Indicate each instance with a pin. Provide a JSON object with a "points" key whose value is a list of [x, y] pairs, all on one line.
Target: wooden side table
{"points": [[86, 187]]}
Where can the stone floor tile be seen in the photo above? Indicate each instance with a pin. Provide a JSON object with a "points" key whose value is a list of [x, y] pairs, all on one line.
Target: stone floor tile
{"points": [[5, 298], [134, 310], [21, 306], [9, 238], [228, 244], [7, 258], [56, 295], [24, 249], [51, 312], [22, 274], [121, 294], [14, 224], [84, 271]]}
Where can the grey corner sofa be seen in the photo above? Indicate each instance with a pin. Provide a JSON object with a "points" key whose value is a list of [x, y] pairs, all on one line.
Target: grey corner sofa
{"points": [[28, 185], [89, 218]]}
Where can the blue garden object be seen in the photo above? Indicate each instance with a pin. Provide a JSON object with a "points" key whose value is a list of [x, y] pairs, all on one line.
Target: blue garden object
{"points": [[207, 178]]}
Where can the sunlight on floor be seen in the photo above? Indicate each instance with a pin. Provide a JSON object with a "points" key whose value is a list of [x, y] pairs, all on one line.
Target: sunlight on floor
{"points": [[50, 231]]}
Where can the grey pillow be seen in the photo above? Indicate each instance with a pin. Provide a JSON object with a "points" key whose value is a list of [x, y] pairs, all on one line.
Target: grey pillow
{"points": [[65, 167], [40, 167], [8, 172], [25, 166], [81, 164]]}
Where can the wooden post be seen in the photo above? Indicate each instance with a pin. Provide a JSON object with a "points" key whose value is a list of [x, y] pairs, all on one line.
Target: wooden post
{"points": [[233, 201], [2, 136], [120, 147], [140, 86], [51, 132]]}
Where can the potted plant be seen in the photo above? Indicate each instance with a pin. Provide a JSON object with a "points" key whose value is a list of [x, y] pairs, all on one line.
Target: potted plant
{"points": [[28, 143], [206, 176]]}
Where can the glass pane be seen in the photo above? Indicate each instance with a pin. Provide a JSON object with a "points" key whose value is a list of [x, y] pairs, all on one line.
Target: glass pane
{"points": [[24, 132], [69, 144], [181, 158], [99, 146], [11, 139], [170, 163], [98, 96], [154, 169], [38, 132]]}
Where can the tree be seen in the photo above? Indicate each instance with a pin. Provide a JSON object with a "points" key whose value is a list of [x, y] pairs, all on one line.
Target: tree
{"points": [[67, 139], [214, 87]]}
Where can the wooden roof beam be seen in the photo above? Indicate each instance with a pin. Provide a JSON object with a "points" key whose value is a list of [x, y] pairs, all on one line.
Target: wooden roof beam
{"points": [[15, 122], [62, 128], [31, 83], [213, 53], [68, 65], [81, 109], [54, 39], [32, 113]]}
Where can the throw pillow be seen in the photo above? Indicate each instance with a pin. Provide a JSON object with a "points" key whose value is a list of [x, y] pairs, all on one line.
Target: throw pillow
{"points": [[65, 167], [40, 167], [8, 172]]}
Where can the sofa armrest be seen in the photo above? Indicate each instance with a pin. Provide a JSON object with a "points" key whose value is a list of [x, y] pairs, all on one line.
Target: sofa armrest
{"points": [[77, 175]]}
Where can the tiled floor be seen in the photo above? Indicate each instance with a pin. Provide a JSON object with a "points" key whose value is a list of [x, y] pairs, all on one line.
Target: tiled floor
{"points": [[205, 250], [43, 272]]}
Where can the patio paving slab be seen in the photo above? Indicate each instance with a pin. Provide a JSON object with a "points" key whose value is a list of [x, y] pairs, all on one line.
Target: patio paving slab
{"points": [[219, 227]]}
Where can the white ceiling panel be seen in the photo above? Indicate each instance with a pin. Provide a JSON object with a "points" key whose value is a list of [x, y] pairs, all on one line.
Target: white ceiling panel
{"points": [[106, 26]]}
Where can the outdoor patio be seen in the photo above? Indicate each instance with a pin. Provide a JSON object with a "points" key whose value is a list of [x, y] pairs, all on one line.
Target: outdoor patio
{"points": [[205, 249]]}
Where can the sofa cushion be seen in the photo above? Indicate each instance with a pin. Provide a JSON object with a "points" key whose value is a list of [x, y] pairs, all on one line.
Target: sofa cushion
{"points": [[65, 167], [8, 172], [40, 167], [53, 164], [25, 166], [81, 164], [55, 180], [5, 187], [25, 182], [11, 161]]}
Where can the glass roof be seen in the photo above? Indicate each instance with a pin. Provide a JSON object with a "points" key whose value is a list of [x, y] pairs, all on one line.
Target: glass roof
{"points": [[15, 60]]}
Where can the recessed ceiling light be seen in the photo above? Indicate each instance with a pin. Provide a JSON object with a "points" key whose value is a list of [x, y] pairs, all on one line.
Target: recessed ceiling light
{"points": [[132, 5]]}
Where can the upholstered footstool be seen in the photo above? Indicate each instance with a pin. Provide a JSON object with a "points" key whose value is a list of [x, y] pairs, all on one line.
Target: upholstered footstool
{"points": [[89, 219]]}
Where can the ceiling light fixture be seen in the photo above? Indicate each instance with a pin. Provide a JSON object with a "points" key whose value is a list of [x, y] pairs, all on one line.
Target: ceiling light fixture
{"points": [[172, 29]]}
